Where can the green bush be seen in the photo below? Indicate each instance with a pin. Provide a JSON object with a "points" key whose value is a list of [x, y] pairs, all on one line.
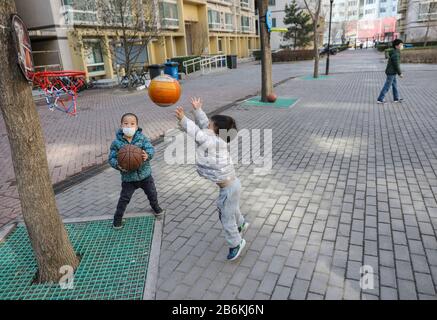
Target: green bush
{"points": [[292, 55], [181, 59], [383, 46]]}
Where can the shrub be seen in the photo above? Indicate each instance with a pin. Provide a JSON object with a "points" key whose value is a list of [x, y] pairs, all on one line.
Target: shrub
{"points": [[292, 55], [383, 46], [428, 55]]}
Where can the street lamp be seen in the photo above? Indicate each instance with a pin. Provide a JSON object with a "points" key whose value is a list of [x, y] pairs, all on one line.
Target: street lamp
{"points": [[329, 37]]}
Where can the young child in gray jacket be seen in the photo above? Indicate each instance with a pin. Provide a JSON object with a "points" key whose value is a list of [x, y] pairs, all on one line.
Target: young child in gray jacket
{"points": [[214, 163]]}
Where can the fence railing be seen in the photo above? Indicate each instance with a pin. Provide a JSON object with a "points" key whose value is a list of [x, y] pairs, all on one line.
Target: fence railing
{"points": [[204, 64]]}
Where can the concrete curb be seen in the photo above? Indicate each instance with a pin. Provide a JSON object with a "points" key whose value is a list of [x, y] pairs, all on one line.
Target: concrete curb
{"points": [[153, 268], [6, 230]]}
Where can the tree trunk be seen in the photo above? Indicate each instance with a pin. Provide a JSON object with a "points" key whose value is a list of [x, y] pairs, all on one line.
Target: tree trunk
{"points": [[316, 50], [266, 53], [48, 237]]}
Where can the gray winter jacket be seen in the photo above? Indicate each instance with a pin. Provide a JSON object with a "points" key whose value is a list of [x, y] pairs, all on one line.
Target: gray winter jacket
{"points": [[213, 160]]}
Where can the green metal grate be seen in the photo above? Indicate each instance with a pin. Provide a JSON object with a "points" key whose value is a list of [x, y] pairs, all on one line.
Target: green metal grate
{"points": [[311, 77], [113, 266], [279, 103]]}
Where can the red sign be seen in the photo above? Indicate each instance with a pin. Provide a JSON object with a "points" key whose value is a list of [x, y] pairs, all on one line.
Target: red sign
{"points": [[378, 29]]}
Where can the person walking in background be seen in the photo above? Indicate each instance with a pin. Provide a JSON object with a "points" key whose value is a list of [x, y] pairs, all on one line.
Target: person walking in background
{"points": [[393, 69]]}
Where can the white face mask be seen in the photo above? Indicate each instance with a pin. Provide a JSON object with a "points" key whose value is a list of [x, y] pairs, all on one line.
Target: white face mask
{"points": [[129, 132]]}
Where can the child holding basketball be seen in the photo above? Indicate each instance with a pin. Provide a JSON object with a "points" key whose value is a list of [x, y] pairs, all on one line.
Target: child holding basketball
{"points": [[130, 133], [216, 165]]}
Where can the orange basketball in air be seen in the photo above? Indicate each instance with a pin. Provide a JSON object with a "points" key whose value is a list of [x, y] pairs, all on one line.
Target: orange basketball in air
{"points": [[164, 90]]}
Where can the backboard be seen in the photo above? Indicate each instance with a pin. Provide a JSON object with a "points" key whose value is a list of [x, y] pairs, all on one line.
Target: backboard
{"points": [[23, 47]]}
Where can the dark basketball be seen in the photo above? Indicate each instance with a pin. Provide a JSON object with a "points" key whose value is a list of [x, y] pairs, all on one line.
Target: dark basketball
{"points": [[271, 97], [130, 157]]}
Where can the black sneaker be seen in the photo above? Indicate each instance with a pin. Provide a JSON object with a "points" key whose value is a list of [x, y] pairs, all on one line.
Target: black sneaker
{"points": [[381, 102], [399, 100], [159, 213], [117, 224]]}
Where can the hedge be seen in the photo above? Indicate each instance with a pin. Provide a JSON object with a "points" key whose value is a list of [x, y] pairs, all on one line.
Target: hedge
{"points": [[292, 55], [423, 55]]}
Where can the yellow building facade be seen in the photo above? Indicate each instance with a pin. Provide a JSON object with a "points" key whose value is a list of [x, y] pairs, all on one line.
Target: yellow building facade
{"points": [[66, 34]]}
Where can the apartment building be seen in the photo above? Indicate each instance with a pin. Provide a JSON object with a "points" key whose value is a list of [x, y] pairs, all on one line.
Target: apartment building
{"points": [[416, 19], [361, 19], [186, 27], [277, 7]]}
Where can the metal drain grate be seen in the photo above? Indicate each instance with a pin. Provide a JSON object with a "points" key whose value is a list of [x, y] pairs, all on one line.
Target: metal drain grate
{"points": [[113, 266]]}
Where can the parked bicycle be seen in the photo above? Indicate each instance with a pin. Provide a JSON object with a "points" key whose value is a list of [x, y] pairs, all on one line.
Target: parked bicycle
{"points": [[135, 79]]}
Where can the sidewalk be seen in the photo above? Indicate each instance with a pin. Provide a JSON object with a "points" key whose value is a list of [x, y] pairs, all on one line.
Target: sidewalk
{"points": [[75, 144], [353, 183]]}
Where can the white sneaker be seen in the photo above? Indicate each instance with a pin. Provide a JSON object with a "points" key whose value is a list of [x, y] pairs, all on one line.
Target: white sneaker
{"points": [[380, 102]]}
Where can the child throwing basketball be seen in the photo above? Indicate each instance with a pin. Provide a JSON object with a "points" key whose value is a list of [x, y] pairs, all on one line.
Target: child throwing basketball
{"points": [[214, 163], [130, 133]]}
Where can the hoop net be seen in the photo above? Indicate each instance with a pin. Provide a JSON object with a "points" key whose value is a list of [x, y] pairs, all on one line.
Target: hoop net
{"points": [[60, 88]]}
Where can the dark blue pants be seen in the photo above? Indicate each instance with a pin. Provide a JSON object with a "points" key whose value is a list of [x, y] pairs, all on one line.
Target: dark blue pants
{"points": [[128, 189], [390, 82]]}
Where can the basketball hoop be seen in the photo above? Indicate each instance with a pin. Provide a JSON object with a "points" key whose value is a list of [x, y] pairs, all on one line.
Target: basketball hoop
{"points": [[60, 89]]}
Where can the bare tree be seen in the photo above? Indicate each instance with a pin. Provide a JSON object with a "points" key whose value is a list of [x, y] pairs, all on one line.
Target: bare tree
{"points": [[48, 237], [314, 9], [130, 24]]}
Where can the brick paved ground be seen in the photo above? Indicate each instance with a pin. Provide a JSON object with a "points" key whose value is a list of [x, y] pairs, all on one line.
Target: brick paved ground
{"points": [[353, 183], [74, 144]]}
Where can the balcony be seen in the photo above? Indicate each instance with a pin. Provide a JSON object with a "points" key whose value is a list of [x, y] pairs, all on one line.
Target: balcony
{"points": [[214, 26], [222, 2], [229, 27], [79, 17], [245, 5], [245, 29], [170, 23]]}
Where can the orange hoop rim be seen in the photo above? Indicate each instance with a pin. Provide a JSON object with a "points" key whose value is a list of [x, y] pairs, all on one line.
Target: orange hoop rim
{"points": [[65, 73]]}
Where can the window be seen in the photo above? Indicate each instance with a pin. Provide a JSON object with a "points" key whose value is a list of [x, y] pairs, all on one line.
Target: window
{"points": [[382, 10], [94, 57], [244, 3], [370, 2], [273, 22], [220, 45], [245, 24], [272, 2], [229, 25], [352, 4], [169, 14], [213, 19], [428, 10], [80, 12], [369, 11]]}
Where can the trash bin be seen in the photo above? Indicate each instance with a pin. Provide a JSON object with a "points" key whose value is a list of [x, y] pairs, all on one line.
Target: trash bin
{"points": [[171, 68], [231, 61], [155, 70]]}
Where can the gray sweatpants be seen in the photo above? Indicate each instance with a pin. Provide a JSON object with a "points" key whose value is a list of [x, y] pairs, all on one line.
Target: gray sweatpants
{"points": [[228, 204]]}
